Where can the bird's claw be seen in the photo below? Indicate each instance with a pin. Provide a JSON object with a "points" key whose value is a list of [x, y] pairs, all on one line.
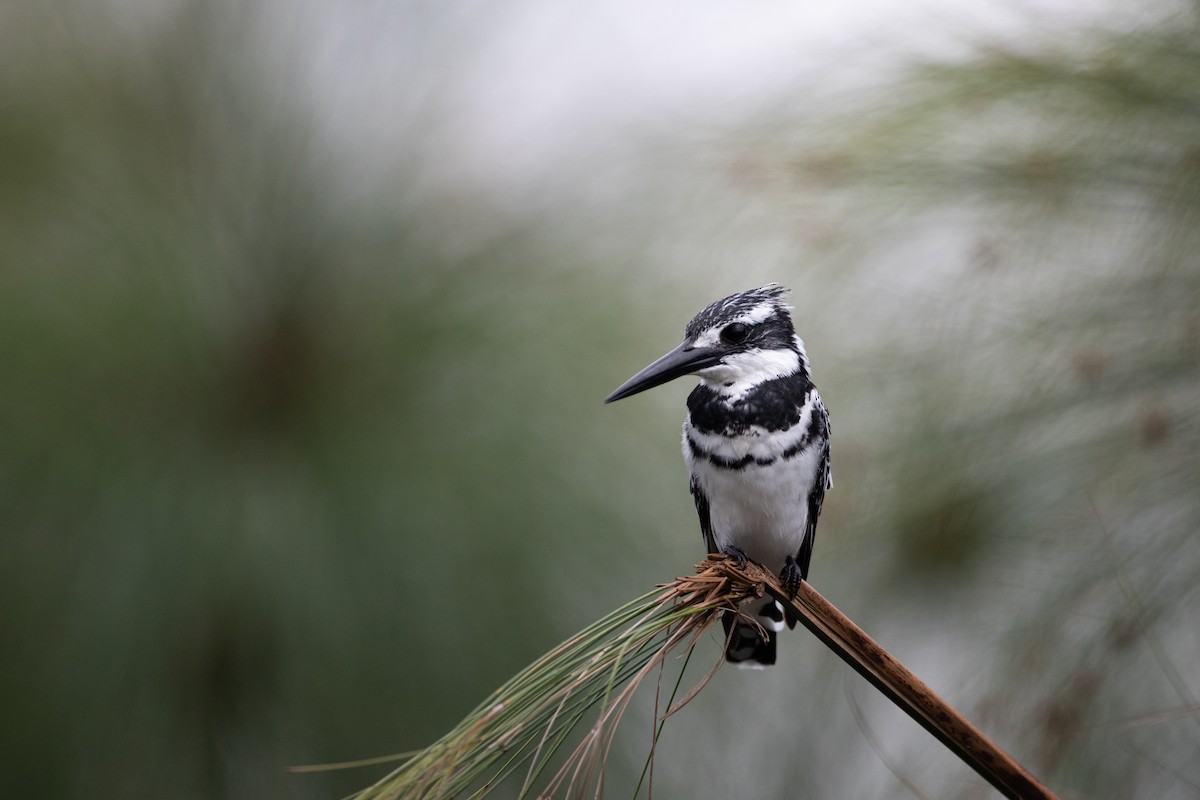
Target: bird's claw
{"points": [[791, 576], [737, 554]]}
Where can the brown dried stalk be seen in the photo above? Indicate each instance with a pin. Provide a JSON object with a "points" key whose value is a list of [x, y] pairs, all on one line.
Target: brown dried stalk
{"points": [[897, 683]]}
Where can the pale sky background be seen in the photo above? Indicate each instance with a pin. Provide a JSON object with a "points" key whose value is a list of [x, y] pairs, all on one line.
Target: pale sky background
{"points": [[521, 90]]}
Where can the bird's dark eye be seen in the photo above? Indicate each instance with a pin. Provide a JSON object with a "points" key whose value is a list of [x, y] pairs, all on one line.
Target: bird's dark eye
{"points": [[735, 333]]}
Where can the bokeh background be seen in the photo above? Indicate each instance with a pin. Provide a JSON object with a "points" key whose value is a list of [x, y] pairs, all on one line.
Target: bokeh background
{"points": [[307, 311]]}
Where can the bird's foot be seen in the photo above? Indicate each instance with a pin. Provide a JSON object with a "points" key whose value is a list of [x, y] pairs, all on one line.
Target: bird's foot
{"points": [[737, 554], [791, 576]]}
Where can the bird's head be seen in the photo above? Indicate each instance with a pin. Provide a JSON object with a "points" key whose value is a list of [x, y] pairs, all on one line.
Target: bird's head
{"points": [[734, 344]]}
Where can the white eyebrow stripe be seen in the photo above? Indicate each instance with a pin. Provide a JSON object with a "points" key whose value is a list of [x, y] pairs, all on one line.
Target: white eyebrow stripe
{"points": [[760, 313]]}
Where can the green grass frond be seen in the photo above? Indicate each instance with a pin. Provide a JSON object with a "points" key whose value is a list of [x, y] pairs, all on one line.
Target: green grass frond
{"points": [[523, 724]]}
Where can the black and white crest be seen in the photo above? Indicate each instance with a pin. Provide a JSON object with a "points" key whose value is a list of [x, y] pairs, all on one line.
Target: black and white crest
{"points": [[756, 440], [752, 307]]}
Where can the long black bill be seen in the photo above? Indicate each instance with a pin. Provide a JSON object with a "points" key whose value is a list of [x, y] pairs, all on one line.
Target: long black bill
{"points": [[683, 360]]}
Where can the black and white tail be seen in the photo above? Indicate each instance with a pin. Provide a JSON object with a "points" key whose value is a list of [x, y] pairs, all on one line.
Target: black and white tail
{"points": [[746, 645]]}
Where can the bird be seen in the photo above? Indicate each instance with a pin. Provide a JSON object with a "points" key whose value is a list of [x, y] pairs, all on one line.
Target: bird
{"points": [[756, 442]]}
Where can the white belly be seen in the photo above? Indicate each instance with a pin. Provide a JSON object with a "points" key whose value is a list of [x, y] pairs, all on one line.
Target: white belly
{"points": [[760, 509]]}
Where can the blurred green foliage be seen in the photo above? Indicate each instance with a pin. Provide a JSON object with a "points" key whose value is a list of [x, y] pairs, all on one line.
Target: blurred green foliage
{"points": [[295, 471], [253, 448]]}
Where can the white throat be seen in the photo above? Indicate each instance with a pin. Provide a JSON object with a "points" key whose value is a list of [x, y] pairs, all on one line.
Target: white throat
{"points": [[739, 373]]}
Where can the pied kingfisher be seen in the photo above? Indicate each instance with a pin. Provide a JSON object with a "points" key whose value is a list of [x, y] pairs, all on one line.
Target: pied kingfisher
{"points": [[756, 439]]}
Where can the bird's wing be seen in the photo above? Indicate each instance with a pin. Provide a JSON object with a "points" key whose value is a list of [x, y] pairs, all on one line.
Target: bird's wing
{"points": [[705, 516], [822, 483]]}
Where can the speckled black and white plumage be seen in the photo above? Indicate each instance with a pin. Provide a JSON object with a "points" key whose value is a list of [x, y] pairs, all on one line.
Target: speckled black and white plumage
{"points": [[756, 440]]}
